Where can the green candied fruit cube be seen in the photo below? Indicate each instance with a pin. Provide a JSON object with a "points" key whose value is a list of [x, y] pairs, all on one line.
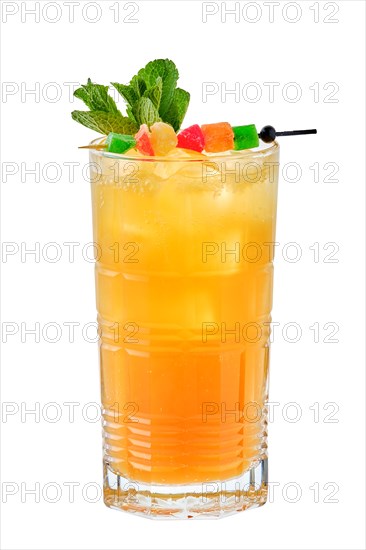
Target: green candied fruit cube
{"points": [[245, 137], [119, 143]]}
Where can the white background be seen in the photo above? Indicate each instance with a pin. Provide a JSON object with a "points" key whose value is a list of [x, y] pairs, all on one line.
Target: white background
{"points": [[37, 128]]}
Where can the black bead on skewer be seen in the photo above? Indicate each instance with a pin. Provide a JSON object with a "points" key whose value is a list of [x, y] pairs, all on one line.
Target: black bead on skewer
{"points": [[268, 133]]}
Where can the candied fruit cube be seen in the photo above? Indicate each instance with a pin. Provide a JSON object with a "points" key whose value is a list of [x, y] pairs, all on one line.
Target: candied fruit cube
{"points": [[191, 138], [245, 137], [218, 137], [143, 143], [163, 138], [119, 143]]}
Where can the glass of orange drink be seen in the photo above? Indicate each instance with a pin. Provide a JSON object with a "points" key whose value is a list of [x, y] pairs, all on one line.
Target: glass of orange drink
{"points": [[184, 276]]}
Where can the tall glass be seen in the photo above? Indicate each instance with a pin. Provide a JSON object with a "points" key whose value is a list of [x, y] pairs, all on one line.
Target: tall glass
{"points": [[184, 293]]}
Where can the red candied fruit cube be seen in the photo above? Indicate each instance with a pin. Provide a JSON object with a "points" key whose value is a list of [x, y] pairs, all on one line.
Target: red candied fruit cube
{"points": [[191, 138], [218, 137], [143, 144]]}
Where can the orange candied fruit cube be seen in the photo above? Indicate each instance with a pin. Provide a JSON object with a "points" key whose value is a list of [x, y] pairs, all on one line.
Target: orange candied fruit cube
{"points": [[218, 137]]}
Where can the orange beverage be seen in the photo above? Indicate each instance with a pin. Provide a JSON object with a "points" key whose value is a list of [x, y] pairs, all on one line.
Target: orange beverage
{"points": [[184, 294]]}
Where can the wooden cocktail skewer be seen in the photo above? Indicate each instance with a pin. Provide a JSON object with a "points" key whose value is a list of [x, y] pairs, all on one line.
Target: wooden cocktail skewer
{"points": [[98, 147]]}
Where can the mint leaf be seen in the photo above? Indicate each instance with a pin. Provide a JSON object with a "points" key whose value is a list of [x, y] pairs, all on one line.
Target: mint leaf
{"points": [[104, 122], [127, 92], [145, 112], [178, 108], [104, 116], [139, 85], [130, 113], [155, 92], [96, 97], [167, 71]]}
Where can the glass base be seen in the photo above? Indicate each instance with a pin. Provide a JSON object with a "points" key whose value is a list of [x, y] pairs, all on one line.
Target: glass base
{"points": [[214, 499]]}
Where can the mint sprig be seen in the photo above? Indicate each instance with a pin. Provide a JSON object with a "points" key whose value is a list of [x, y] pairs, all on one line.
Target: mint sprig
{"points": [[151, 96], [104, 123]]}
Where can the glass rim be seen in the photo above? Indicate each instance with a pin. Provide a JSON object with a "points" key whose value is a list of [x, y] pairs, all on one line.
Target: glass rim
{"points": [[259, 152]]}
